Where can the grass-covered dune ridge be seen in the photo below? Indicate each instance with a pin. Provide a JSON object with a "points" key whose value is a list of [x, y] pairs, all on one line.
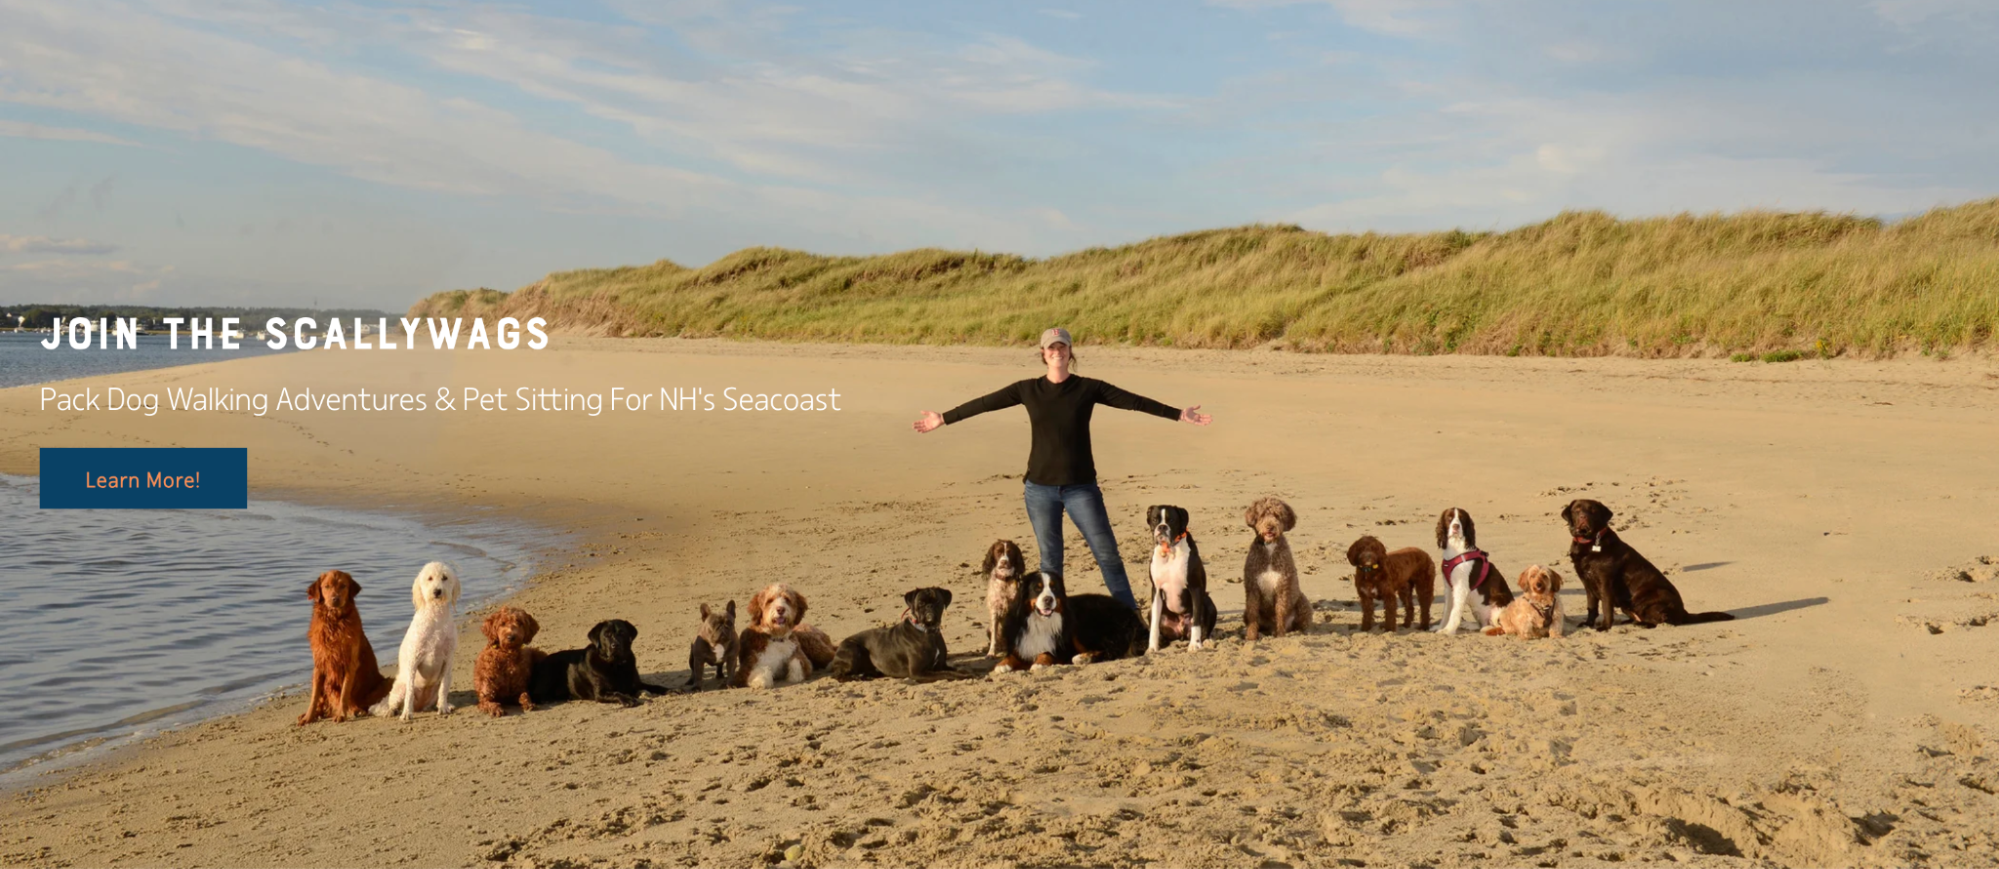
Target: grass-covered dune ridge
{"points": [[1583, 283]]}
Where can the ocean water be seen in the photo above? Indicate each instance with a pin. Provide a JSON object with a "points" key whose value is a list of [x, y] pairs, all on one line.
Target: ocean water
{"points": [[121, 623], [23, 360]]}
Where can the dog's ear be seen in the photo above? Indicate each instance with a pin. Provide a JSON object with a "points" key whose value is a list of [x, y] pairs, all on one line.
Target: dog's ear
{"points": [[1353, 552], [799, 599], [529, 627], [1444, 527], [1285, 516], [1249, 513], [757, 603], [631, 631], [1568, 511], [729, 609], [704, 612], [1471, 529], [1554, 580], [1181, 515], [943, 597], [993, 554], [1152, 515], [312, 591], [491, 626], [909, 598], [597, 632], [1013, 554]]}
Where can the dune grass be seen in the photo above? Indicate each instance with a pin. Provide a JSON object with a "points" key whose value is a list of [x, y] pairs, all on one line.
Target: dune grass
{"points": [[1582, 284]]}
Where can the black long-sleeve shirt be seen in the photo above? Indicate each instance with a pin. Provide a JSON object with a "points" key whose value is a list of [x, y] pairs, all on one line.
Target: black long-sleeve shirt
{"points": [[1060, 416]]}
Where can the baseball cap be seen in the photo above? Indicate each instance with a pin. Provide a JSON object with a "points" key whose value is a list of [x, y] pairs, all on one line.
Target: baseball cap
{"points": [[1057, 335]]}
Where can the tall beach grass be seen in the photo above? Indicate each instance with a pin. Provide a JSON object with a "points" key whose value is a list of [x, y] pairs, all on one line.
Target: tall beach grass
{"points": [[1582, 284]]}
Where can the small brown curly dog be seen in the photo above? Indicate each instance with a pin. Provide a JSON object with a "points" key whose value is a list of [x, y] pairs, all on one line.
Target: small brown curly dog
{"points": [[1407, 574], [1536, 612], [501, 674]]}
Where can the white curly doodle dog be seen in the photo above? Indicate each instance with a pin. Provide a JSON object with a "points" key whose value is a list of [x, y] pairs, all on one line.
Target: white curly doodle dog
{"points": [[423, 666]]}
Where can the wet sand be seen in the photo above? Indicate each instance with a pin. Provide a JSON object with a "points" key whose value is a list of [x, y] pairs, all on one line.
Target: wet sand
{"points": [[1842, 510]]}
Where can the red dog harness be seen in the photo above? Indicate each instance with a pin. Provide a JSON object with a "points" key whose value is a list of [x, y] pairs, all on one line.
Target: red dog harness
{"points": [[1478, 555], [1486, 566]]}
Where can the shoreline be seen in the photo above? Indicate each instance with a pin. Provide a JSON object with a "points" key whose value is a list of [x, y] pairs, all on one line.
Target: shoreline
{"points": [[493, 539], [1820, 506]]}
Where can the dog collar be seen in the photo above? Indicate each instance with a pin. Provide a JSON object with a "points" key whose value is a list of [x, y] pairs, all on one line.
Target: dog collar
{"points": [[910, 617], [1478, 555], [1595, 543], [1168, 546]]}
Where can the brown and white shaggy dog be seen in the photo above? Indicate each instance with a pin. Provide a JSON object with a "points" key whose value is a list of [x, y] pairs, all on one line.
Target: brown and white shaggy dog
{"points": [[714, 644], [501, 673], [1407, 575], [1002, 569], [1536, 611], [1272, 601], [778, 646], [345, 678]]}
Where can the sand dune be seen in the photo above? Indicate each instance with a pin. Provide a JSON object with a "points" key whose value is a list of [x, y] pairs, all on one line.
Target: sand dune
{"points": [[1842, 510]]}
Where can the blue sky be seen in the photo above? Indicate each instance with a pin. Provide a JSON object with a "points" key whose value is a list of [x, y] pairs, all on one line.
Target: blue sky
{"points": [[341, 153]]}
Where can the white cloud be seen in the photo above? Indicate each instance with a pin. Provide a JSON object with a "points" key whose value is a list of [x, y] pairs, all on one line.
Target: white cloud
{"points": [[778, 128], [24, 130], [43, 244], [81, 280], [1402, 18]]}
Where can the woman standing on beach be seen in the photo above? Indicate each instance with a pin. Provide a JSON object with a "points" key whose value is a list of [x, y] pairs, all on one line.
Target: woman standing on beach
{"points": [[1061, 472]]}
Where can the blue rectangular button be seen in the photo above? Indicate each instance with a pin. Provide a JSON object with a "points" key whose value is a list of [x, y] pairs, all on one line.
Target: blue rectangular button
{"points": [[148, 478]]}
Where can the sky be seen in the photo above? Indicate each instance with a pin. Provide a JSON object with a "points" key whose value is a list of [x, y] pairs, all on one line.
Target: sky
{"points": [[358, 154]]}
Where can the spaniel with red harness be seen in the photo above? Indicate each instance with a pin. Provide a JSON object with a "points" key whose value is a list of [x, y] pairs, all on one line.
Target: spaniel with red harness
{"points": [[1468, 569]]}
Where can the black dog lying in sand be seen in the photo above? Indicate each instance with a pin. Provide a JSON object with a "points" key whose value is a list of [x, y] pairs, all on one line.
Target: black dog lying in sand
{"points": [[606, 671], [910, 649]]}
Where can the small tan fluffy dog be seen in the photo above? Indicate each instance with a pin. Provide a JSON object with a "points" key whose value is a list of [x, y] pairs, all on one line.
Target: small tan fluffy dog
{"points": [[1537, 611]]}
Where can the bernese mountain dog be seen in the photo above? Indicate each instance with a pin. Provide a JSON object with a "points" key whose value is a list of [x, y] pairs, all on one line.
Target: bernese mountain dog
{"points": [[1045, 626]]}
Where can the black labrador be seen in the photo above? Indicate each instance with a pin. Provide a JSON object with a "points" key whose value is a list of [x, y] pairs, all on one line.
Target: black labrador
{"points": [[606, 671], [912, 648]]}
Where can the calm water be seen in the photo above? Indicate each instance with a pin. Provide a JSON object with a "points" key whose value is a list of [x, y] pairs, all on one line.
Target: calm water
{"points": [[115, 623], [23, 360]]}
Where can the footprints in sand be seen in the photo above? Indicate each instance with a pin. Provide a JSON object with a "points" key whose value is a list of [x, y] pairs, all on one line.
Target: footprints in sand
{"points": [[1956, 597]]}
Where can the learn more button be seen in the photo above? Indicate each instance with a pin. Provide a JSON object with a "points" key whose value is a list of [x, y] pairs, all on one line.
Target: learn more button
{"points": [[148, 478]]}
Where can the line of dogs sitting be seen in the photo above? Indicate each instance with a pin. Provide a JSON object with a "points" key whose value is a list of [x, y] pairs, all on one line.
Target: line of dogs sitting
{"points": [[1035, 622]]}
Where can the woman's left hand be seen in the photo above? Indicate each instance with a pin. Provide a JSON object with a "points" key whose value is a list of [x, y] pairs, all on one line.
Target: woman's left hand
{"points": [[1195, 416]]}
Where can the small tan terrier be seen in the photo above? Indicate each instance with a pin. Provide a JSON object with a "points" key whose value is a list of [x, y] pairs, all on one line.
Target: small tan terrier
{"points": [[1537, 611]]}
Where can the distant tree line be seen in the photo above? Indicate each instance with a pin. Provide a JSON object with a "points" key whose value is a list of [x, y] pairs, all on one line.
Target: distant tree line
{"points": [[41, 316]]}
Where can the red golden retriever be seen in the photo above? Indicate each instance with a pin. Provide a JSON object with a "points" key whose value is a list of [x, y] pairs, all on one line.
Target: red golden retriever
{"points": [[345, 678]]}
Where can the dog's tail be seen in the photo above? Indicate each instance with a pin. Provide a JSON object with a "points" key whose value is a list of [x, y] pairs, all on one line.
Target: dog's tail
{"points": [[392, 705], [1697, 618]]}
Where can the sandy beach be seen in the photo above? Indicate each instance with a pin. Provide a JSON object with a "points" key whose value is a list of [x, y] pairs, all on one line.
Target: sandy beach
{"points": [[1843, 510]]}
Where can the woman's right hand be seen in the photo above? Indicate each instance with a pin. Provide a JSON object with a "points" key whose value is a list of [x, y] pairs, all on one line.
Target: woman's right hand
{"points": [[930, 421]]}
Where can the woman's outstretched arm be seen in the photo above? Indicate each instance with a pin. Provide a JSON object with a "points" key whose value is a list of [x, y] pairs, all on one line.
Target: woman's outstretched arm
{"points": [[1112, 396], [1005, 397]]}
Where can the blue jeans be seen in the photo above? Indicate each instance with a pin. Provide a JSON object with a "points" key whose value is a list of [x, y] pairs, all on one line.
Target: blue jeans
{"points": [[1085, 504]]}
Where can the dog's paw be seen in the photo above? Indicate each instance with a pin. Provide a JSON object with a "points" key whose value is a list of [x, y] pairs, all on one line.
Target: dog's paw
{"points": [[444, 709], [1039, 667], [1193, 646], [1084, 658]]}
